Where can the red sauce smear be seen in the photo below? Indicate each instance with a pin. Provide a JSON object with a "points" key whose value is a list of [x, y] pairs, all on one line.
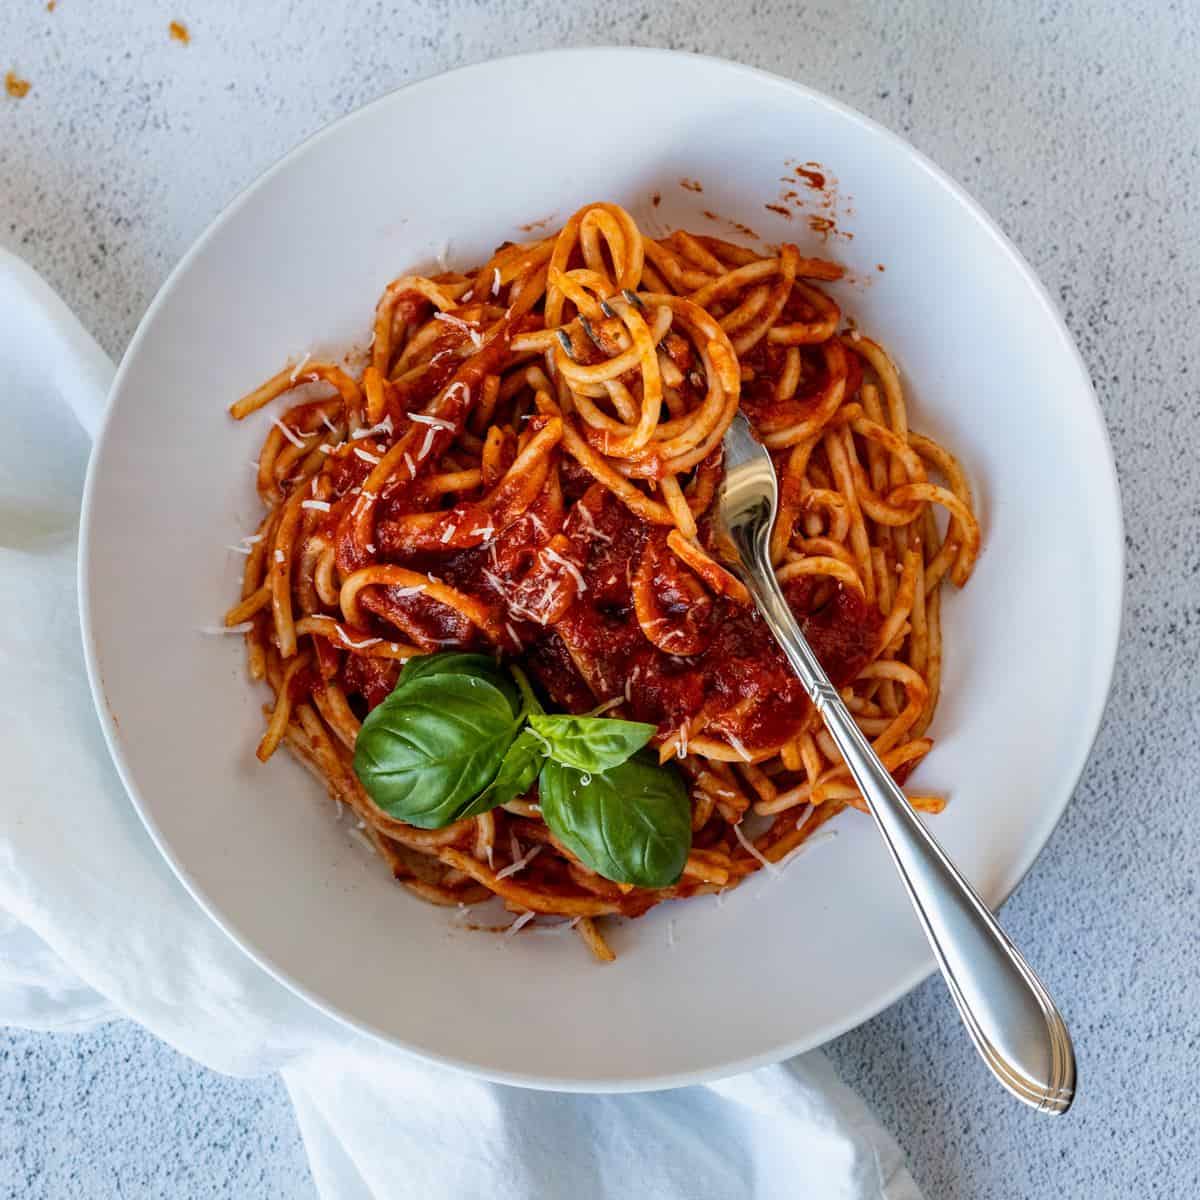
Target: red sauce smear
{"points": [[814, 179]]}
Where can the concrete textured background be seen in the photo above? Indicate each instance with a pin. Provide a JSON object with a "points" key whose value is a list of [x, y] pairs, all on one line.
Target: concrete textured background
{"points": [[1075, 124]]}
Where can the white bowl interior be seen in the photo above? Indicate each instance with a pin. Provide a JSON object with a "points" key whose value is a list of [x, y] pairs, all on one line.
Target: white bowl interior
{"points": [[296, 264]]}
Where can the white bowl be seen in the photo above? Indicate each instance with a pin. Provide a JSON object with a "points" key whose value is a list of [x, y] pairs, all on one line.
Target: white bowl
{"points": [[296, 264]]}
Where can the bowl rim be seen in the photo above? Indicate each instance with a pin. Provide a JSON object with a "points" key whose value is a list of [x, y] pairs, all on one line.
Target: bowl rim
{"points": [[1109, 618]]}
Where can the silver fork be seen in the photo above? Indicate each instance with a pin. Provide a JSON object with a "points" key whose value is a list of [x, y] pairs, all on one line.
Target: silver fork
{"points": [[1009, 1014]]}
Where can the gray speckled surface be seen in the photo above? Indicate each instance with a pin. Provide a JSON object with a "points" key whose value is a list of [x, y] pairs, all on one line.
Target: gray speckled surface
{"points": [[1075, 125]]}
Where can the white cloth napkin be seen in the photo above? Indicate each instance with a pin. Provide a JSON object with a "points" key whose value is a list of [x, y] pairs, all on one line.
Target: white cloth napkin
{"points": [[94, 926]]}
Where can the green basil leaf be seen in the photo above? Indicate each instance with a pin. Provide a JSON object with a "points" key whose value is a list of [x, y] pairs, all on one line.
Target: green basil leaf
{"points": [[631, 824], [433, 745], [590, 743], [459, 662], [517, 772], [529, 701]]}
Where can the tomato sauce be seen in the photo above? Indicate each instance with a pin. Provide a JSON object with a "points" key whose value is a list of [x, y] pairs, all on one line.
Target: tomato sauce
{"points": [[597, 651], [569, 610]]}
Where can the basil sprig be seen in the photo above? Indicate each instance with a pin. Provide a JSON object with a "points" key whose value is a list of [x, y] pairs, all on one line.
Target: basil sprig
{"points": [[460, 736]]}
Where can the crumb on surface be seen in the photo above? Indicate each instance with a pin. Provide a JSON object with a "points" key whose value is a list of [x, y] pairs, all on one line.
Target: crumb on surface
{"points": [[179, 31], [15, 86]]}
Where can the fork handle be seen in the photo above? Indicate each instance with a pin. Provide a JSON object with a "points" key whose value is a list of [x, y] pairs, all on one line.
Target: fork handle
{"points": [[1012, 1020]]}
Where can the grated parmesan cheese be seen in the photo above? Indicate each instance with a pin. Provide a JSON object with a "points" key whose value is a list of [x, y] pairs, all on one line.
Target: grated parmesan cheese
{"points": [[290, 434], [349, 641], [240, 549], [316, 505], [328, 423], [448, 533], [300, 365], [754, 851], [384, 426], [520, 864], [496, 582], [279, 556], [219, 630], [737, 745], [415, 590], [428, 419], [574, 571], [412, 466], [495, 281], [365, 456], [519, 924], [589, 522], [461, 325]]}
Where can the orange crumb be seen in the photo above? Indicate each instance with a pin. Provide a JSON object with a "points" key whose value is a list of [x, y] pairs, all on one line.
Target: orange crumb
{"points": [[656, 198], [880, 267], [779, 208], [50, 5], [15, 86], [179, 31], [692, 185]]}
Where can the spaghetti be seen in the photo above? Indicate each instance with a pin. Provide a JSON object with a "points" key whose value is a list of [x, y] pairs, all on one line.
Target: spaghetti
{"points": [[527, 465]]}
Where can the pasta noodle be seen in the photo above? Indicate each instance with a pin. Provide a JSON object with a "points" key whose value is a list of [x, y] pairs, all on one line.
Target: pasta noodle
{"points": [[527, 466]]}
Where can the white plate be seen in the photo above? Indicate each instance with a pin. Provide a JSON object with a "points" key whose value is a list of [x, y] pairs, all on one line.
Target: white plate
{"points": [[296, 264]]}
